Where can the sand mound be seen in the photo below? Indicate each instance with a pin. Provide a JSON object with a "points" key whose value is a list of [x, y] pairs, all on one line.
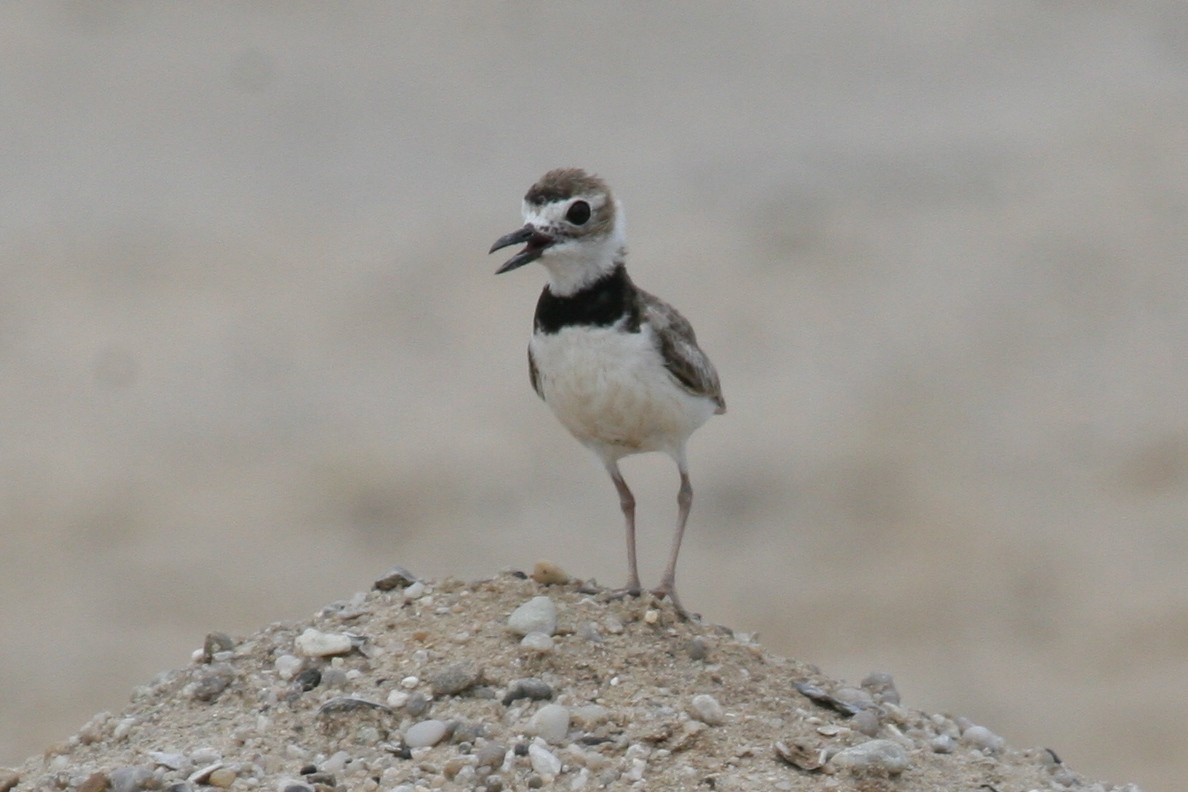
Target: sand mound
{"points": [[511, 684]]}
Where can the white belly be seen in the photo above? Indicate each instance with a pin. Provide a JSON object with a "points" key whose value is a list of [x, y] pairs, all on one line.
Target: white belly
{"points": [[611, 391]]}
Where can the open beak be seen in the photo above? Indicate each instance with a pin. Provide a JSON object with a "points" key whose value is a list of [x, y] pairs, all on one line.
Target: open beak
{"points": [[536, 245]]}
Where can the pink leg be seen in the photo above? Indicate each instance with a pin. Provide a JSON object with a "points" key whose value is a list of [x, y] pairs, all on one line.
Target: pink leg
{"points": [[627, 504], [667, 585]]}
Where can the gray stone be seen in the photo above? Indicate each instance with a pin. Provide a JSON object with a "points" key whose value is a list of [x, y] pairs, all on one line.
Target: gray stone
{"points": [[706, 709], [453, 679], [550, 723], [875, 757], [538, 614], [425, 734]]}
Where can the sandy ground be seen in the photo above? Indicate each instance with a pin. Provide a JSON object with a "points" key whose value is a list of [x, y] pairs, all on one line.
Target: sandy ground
{"points": [[253, 351], [506, 684]]}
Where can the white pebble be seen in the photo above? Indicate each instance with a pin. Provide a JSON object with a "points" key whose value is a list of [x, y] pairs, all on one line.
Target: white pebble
{"points": [[414, 591], [537, 642], [287, 666], [706, 709], [550, 723], [410, 682], [538, 614], [315, 643], [425, 734], [397, 699], [877, 757], [544, 761], [983, 739]]}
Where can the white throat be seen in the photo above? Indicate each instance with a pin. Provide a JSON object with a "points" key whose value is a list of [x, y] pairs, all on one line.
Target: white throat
{"points": [[574, 264]]}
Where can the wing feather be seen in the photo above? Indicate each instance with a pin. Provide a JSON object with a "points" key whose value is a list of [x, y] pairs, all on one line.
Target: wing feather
{"points": [[678, 346]]}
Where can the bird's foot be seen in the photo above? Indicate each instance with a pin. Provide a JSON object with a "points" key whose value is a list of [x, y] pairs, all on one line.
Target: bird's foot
{"points": [[669, 591], [622, 593]]}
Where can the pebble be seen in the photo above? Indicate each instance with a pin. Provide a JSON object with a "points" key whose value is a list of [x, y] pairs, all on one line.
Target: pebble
{"points": [[216, 642], [943, 744], [396, 577], [550, 723], [546, 573], [425, 734], [417, 704], [222, 778], [538, 614], [706, 709], [875, 757], [491, 754], [315, 643], [453, 679], [287, 666], [544, 761], [537, 642], [866, 722], [589, 715], [882, 687], [983, 739], [697, 649], [530, 688], [414, 592], [96, 782], [210, 682]]}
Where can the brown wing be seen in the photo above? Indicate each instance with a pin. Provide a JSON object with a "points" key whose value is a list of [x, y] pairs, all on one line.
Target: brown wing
{"points": [[678, 346]]}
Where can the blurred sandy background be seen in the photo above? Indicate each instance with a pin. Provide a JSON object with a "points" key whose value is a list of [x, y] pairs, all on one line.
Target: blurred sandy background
{"points": [[253, 352]]}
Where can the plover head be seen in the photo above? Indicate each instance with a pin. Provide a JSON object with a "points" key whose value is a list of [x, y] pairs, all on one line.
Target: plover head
{"points": [[573, 225]]}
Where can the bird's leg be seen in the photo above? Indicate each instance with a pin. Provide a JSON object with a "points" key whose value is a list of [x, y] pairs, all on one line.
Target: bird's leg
{"points": [[627, 504], [667, 587]]}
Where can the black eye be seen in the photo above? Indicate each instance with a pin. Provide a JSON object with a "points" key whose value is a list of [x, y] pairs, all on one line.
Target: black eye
{"points": [[578, 213]]}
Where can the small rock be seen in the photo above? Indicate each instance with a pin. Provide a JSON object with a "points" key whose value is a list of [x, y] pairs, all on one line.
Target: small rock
{"points": [[531, 688], [96, 782], [550, 723], [538, 614], [943, 744], [544, 761], [857, 698], [491, 754], [315, 643], [546, 573], [414, 592], [802, 755], [210, 682], [425, 734], [417, 704], [697, 649], [453, 679], [875, 757], [222, 778], [396, 577], [309, 679], [882, 687], [589, 715], [287, 666], [216, 642], [706, 709], [537, 642], [983, 739], [866, 722]]}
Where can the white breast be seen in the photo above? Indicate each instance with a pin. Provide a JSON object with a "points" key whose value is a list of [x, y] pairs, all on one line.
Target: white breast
{"points": [[611, 391]]}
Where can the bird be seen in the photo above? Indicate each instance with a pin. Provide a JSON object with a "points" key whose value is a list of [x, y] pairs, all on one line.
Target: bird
{"points": [[619, 367]]}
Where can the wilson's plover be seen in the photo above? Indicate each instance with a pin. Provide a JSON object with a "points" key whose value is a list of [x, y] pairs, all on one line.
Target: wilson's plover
{"points": [[619, 367]]}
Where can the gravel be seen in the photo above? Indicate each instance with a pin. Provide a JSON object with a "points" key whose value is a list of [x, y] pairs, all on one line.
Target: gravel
{"points": [[387, 691]]}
